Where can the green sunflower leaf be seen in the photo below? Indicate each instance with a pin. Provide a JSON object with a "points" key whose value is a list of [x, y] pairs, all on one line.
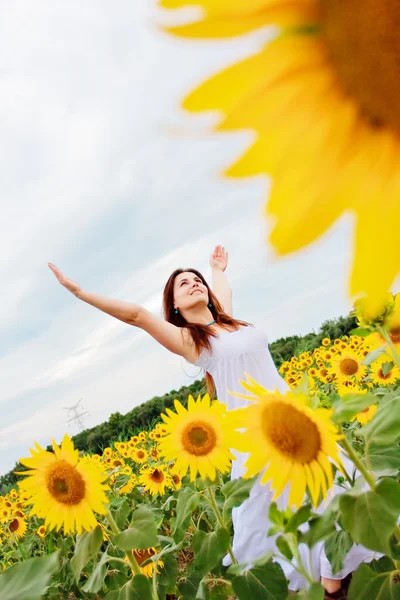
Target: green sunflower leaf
{"points": [[336, 548], [209, 548], [371, 517], [382, 460], [28, 580], [384, 428], [138, 588], [87, 546], [368, 583], [188, 501], [315, 592], [267, 582], [350, 405], [141, 534], [237, 491]]}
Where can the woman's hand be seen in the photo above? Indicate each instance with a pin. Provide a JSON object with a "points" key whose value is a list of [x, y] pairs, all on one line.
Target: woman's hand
{"points": [[70, 285], [219, 258]]}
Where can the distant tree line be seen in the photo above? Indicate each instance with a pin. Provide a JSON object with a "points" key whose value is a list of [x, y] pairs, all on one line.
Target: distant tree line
{"points": [[146, 415]]}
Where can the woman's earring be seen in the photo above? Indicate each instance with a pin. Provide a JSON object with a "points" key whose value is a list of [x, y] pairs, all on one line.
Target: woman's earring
{"points": [[176, 311], [210, 305]]}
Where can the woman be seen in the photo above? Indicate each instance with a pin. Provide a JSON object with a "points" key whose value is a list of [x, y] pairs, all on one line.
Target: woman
{"points": [[200, 327]]}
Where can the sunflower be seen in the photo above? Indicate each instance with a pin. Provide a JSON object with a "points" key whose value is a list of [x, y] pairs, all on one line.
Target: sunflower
{"points": [[348, 366], [285, 366], [129, 485], [139, 455], [4, 513], [326, 342], [154, 453], [17, 527], [302, 86], [327, 356], [376, 340], [41, 531], [348, 387], [379, 316], [117, 461], [64, 490], [323, 375], [287, 441], [365, 415], [384, 372], [155, 480], [198, 438], [142, 555]]}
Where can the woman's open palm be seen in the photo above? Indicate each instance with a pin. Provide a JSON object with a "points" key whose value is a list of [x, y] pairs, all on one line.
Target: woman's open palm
{"points": [[68, 283], [219, 258]]}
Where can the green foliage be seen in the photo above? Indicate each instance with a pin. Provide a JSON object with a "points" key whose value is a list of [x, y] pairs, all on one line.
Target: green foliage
{"points": [[371, 517], [29, 579], [141, 533], [284, 348], [87, 547]]}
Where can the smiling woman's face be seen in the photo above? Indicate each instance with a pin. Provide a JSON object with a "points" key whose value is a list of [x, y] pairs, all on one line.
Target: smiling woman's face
{"points": [[189, 290]]}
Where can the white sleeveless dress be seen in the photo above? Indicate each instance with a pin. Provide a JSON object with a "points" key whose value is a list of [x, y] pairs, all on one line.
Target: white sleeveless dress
{"points": [[233, 354]]}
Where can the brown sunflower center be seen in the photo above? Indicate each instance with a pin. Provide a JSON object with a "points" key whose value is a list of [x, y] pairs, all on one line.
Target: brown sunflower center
{"points": [[292, 432], [65, 483], [157, 476], [14, 526], [381, 374], [199, 438], [348, 366], [395, 335], [363, 41], [142, 555], [176, 479], [140, 454]]}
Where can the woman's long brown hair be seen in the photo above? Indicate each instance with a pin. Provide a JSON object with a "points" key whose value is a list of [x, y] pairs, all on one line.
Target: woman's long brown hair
{"points": [[201, 334]]}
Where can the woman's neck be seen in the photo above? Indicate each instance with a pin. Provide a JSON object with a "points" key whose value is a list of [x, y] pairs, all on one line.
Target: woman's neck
{"points": [[200, 317]]}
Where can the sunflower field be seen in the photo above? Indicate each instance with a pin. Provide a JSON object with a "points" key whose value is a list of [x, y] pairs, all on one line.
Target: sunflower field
{"points": [[151, 517]]}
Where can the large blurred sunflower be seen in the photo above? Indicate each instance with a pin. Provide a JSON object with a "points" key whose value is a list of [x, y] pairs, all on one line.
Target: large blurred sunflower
{"points": [[198, 438], [287, 441], [323, 100], [64, 490]]}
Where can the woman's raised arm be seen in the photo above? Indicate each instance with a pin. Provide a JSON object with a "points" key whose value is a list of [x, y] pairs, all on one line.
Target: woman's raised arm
{"points": [[171, 337]]}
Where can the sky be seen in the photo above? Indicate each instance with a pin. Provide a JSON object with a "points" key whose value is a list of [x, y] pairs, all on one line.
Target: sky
{"points": [[104, 175]]}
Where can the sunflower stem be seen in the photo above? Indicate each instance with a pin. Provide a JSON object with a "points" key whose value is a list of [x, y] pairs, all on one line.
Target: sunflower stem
{"points": [[220, 520], [129, 555], [347, 476], [392, 347], [20, 549], [357, 462], [294, 547], [154, 583]]}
